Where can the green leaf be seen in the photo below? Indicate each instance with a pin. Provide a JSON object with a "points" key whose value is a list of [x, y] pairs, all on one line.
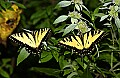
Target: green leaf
{"points": [[86, 74], [60, 19], [4, 73], [104, 17], [117, 76], [47, 71], [80, 62], [69, 28], [22, 56], [55, 54], [77, 7], [73, 74], [6, 61], [67, 71], [107, 58], [64, 3], [117, 22], [3, 4], [38, 14], [20, 5], [62, 62], [66, 52], [45, 56], [99, 14]]}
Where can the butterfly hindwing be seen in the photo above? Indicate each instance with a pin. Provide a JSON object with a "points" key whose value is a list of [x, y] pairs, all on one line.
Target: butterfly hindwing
{"points": [[83, 45], [32, 40]]}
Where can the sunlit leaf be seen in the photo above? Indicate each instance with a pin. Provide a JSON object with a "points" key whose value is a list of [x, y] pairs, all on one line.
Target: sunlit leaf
{"points": [[117, 22], [69, 28], [107, 3], [77, 7], [104, 17], [60, 19], [64, 3]]}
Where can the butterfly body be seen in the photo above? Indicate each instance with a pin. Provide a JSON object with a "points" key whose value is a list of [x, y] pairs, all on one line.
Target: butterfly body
{"points": [[31, 40], [83, 45]]}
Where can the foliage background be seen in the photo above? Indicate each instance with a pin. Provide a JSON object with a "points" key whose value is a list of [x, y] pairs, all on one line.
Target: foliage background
{"points": [[55, 63]]}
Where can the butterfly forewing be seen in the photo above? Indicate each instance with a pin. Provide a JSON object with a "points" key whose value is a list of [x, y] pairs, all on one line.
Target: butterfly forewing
{"points": [[40, 35], [74, 42]]}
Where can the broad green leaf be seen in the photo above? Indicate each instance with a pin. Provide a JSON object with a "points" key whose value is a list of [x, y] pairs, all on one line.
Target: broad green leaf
{"points": [[117, 22], [45, 56], [60, 19], [4, 73], [73, 74], [104, 17], [69, 28], [22, 56], [64, 3], [47, 71]]}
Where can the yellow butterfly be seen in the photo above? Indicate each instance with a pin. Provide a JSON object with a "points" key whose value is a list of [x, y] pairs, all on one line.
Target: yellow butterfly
{"points": [[32, 40], [83, 45]]}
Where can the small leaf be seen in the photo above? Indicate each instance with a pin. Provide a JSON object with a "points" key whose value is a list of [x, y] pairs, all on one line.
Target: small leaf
{"points": [[64, 3], [117, 22], [60, 19], [99, 14], [104, 17], [106, 4], [45, 56], [77, 7], [67, 71], [72, 74], [69, 28], [4, 73], [55, 54], [85, 8], [22, 56]]}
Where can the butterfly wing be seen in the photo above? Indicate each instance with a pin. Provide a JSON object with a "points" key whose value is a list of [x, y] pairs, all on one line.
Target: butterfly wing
{"points": [[73, 41], [90, 38], [84, 45], [40, 36], [31, 39]]}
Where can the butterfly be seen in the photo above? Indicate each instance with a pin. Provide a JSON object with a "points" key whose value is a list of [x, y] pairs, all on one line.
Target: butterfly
{"points": [[32, 40], [83, 45]]}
